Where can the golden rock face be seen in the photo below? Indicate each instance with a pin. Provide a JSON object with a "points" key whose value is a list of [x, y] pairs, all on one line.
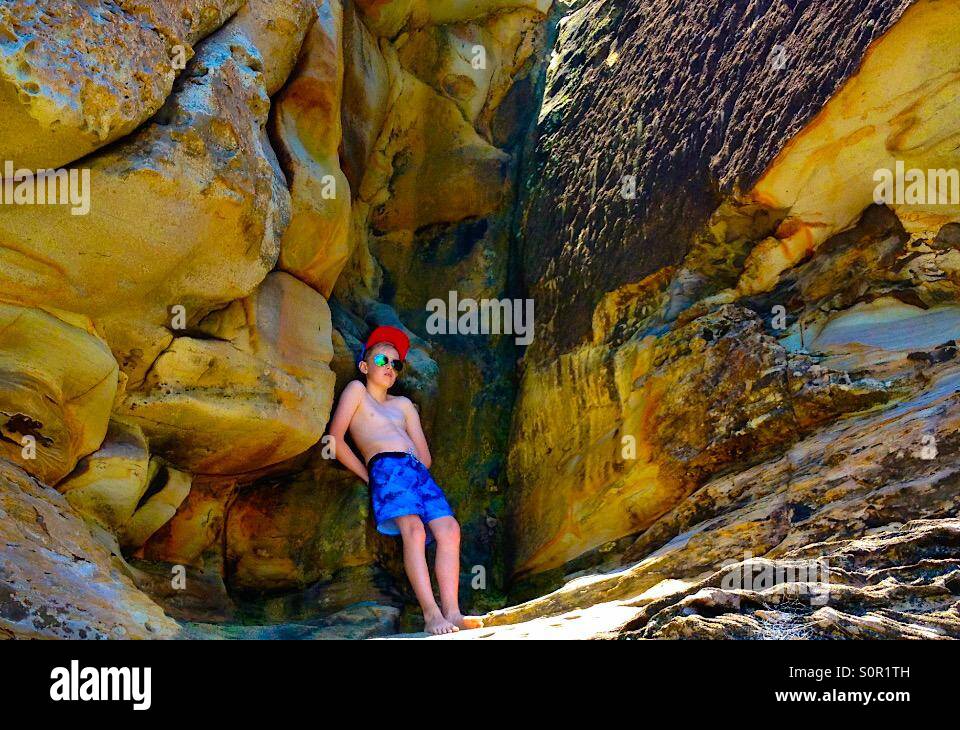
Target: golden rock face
{"points": [[107, 485], [57, 387], [574, 488], [63, 92], [307, 132], [172, 357], [258, 393], [237, 153], [188, 211], [901, 107]]}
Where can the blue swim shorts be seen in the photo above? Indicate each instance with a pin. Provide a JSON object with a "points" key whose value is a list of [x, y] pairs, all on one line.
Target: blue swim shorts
{"points": [[401, 485]]}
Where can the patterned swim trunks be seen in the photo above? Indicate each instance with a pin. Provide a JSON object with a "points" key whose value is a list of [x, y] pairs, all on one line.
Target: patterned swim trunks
{"points": [[401, 485]]}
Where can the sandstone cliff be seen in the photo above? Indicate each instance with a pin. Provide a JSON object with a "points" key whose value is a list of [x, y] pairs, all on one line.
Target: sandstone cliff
{"points": [[742, 364]]}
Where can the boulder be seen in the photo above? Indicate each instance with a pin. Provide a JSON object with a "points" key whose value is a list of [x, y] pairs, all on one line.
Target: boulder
{"points": [[75, 77], [186, 212], [252, 389], [277, 29], [58, 381], [107, 485], [306, 130], [56, 581]]}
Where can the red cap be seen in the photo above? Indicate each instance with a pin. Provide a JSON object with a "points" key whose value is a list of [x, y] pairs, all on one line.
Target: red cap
{"points": [[391, 335]]}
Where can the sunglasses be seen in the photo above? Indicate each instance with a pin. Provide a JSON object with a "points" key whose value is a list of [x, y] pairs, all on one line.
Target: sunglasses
{"points": [[382, 360]]}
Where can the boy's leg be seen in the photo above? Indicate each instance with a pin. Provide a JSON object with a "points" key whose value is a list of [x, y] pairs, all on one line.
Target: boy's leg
{"points": [[446, 531], [415, 561]]}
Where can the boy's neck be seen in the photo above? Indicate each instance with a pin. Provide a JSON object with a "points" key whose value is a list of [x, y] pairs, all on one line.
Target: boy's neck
{"points": [[379, 393]]}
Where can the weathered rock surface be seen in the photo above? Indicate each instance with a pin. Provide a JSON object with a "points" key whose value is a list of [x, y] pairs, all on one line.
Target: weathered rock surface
{"points": [[56, 581], [366, 90], [277, 29], [306, 129], [861, 476], [684, 98], [168, 490], [294, 533], [657, 417], [436, 167], [107, 485], [742, 368], [473, 64], [388, 17], [902, 582], [57, 386], [76, 76], [187, 212], [595, 346], [252, 389]]}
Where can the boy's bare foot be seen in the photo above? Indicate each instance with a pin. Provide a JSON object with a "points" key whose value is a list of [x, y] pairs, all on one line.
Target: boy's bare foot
{"points": [[438, 625], [465, 622]]}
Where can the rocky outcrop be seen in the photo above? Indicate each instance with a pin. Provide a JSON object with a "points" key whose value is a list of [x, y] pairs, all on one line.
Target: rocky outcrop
{"points": [[56, 581], [307, 132], [899, 583], [252, 389], [827, 308], [63, 87], [186, 213], [664, 414], [743, 364], [54, 405], [688, 103]]}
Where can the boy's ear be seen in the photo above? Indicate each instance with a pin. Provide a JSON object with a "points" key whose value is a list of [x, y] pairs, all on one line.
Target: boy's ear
{"points": [[363, 366]]}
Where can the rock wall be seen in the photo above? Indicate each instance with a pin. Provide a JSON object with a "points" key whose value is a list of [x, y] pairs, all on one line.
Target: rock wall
{"points": [[742, 360], [667, 387], [266, 181]]}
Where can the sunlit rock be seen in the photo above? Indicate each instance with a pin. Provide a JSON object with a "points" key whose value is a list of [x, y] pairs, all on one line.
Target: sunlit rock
{"points": [[56, 581], [107, 485], [253, 389], [168, 488], [57, 386], [432, 162], [899, 109], [306, 129], [76, 76], [473, 64], [647, 423], [186, 212]]}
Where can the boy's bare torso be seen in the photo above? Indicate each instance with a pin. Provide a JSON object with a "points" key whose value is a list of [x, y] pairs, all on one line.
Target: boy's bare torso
{"points": [[378, 427]]}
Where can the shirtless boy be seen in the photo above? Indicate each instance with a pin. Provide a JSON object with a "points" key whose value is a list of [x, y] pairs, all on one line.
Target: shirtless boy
{"points": [[406, 501]]}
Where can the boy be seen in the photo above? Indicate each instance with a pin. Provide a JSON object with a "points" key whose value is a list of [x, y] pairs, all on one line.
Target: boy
{"points": [[406, 500]]}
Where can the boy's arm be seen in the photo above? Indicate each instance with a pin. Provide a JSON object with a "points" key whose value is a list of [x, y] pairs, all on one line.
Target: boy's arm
{"points": [[415, 431], [346, 408]]}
